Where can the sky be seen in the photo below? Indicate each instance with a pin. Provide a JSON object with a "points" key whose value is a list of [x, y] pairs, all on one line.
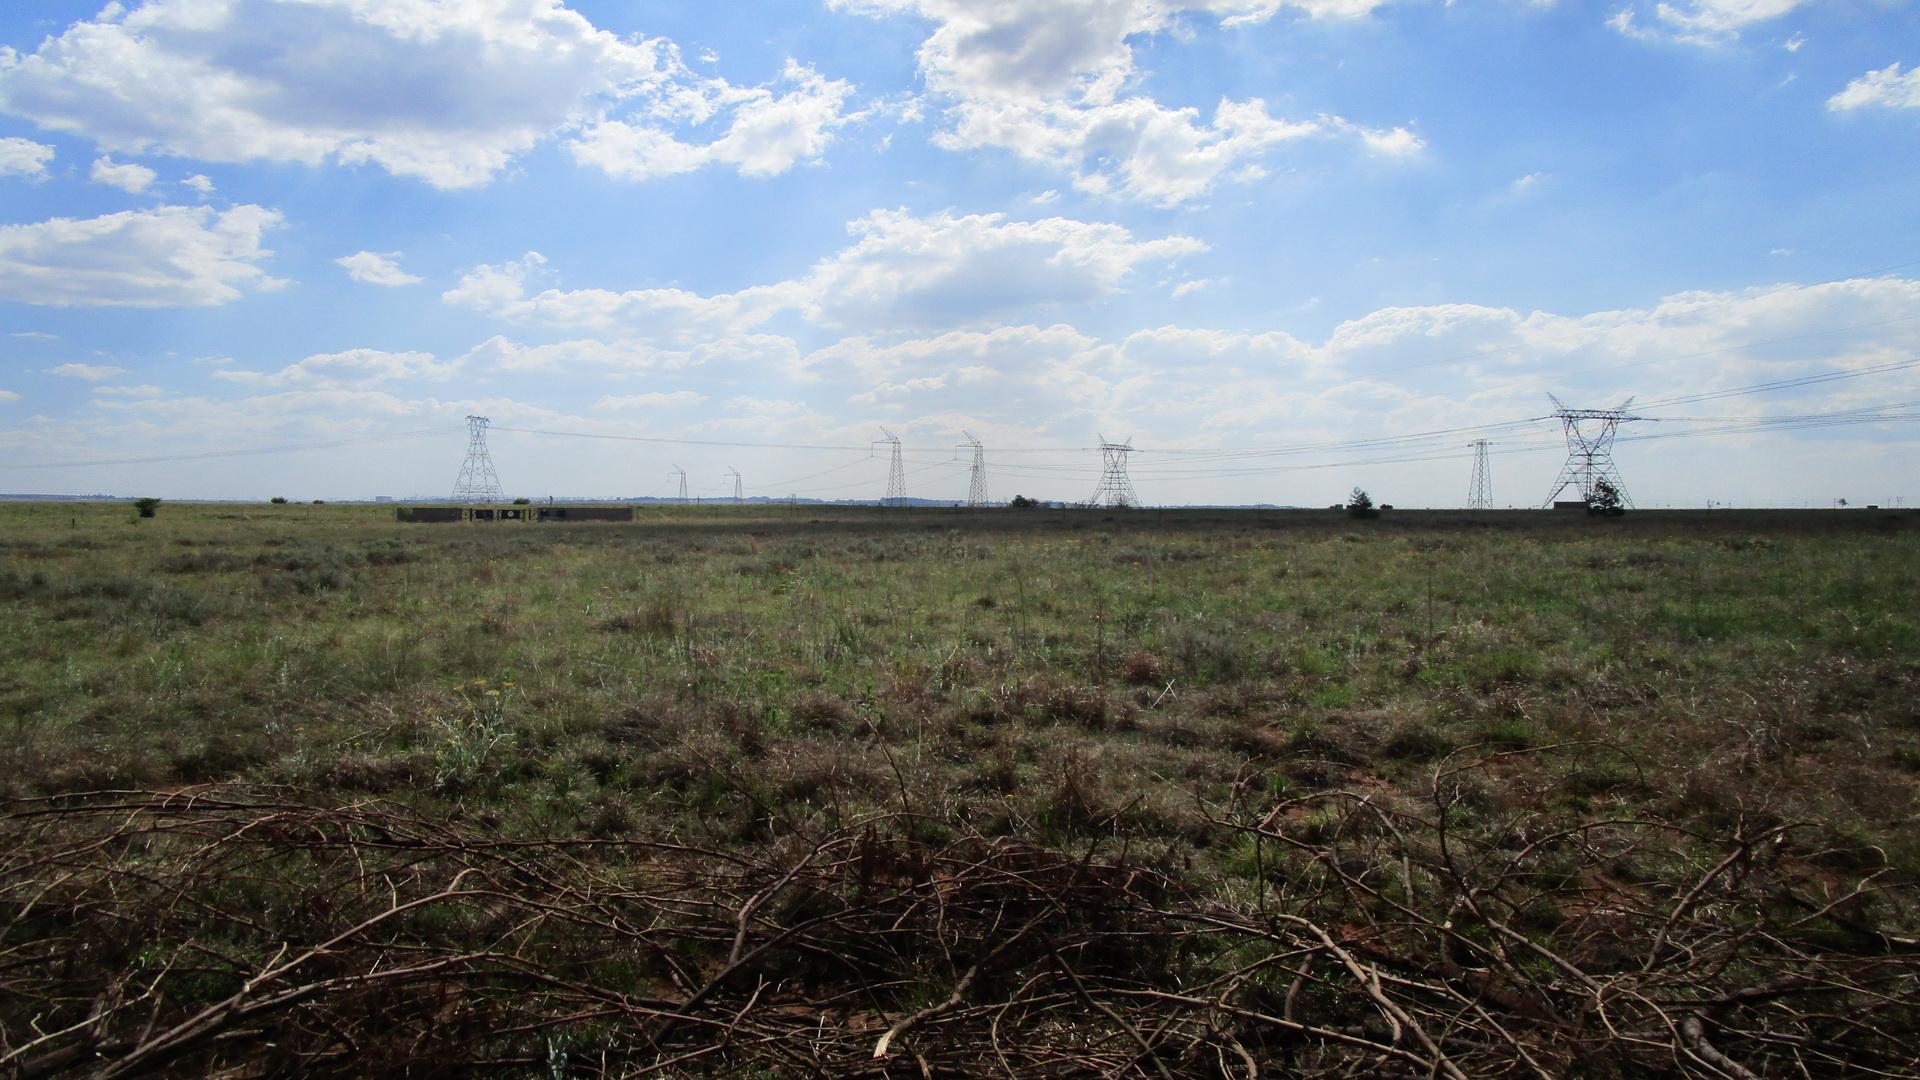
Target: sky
{"points": [[255, 248]]}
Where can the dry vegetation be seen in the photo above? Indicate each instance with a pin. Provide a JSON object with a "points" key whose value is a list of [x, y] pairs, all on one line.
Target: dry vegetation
{"points": [[299, 791]]}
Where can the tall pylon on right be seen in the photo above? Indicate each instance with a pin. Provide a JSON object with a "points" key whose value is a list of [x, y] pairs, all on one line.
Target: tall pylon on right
{"points": [[1115, 489], [977, 478], [896, 472], [1480, 495], [1589, 464], [477, 482]]}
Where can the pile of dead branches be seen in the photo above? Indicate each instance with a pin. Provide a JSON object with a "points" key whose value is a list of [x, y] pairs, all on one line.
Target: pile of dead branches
{"points": [[262, 931]]}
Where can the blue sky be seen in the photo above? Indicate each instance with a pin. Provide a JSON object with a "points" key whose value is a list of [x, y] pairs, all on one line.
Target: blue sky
{"points": [[1252, 236]]}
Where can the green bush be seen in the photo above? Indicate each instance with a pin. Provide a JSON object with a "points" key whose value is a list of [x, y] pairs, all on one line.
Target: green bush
{"points": [[147, 507]]}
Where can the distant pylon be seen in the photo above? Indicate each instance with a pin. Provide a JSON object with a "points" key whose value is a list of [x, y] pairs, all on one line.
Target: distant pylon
{"points": [[735, 473], [1480, 495], [477, 482], [896, 472], [682, 474], [1590, 450], [977, 479], [1115, 489]]}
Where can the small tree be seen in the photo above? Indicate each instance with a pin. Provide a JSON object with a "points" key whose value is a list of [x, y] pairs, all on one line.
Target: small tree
{"points": [[1021, 502], [523, 501], [1605, 500], [1360, 504], [147, 507], [278, 500]]}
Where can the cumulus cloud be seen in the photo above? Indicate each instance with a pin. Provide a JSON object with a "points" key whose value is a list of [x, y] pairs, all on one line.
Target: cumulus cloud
{"points": [[1700, 22], [200, 184], [128, 177], [1887, 88], [8, 395], [89, 372], [1048, 80], [24, 157], [767, 133], [169, 256], [906, 272], [376, 268], [593, 357], [349, 368], [902, 272], [448, 93], [678, 399], [654, 314]]}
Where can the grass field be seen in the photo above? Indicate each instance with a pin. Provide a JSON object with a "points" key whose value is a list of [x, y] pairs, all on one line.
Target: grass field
{"points": [[771, 792]]}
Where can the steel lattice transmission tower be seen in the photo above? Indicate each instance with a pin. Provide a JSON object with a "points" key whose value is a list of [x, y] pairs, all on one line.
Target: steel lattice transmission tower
{"points": [[1480, 494], [478, 483], [1115, 489], [896, 472], [977, 478], [735, 473], [682, 474], [1589, 464]]}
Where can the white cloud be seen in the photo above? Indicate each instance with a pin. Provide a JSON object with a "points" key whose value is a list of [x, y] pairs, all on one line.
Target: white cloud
{"points": [[128, 177], [143, 391], [1702, 22], [652, 314], [1187, 288], [676, 400], [8, 395], [757, 354], [169, 256], [24, 157], [1887, 88], [1794, 43], [376, 268], [347, 369], [1048, 80], [768, 133], [200, 184], [902, 272], [908, 272], [89, 372], [1527, 183], [445, 92]]}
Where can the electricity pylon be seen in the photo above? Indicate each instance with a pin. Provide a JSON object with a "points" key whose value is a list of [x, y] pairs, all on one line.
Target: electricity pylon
{"points": [[682, 474], [896, 472], [735, 473], [977, 478], [1480, 495], [1589, 464], [477, 482], [1115, 489]]}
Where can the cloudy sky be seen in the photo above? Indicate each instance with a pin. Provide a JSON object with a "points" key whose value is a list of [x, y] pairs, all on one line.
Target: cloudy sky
{"points": [[1266, 240]]}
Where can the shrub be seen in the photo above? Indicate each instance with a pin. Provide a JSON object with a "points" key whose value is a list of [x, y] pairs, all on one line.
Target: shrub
{"points": [[523, 501], [147, 507], [278, 500]]}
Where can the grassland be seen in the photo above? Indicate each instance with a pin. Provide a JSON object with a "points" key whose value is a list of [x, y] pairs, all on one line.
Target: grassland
{"points": [[298, 789]]}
